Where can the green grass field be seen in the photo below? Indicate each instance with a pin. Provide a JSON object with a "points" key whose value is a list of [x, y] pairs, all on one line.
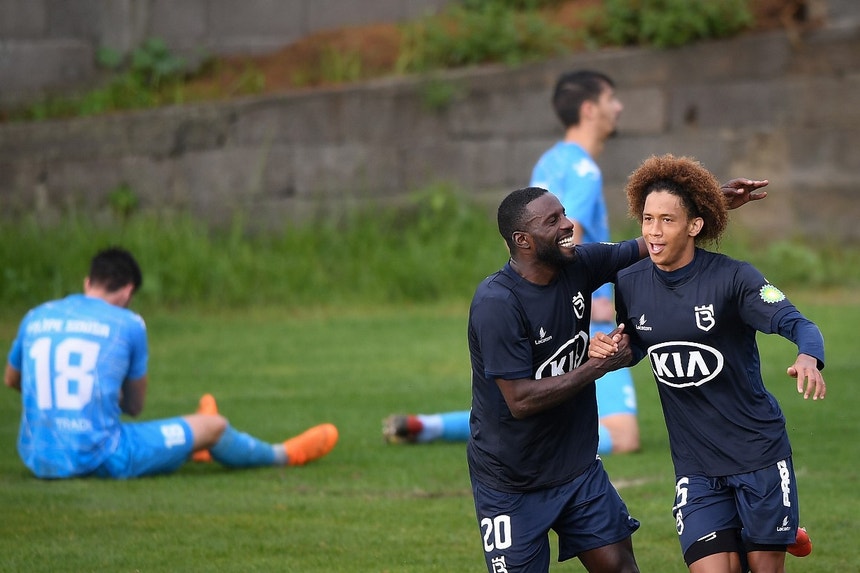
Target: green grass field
{"points": [[369, 506]]}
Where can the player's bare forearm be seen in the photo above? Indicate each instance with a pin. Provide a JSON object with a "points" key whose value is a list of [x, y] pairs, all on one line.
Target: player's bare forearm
{"points": [[133, 396], [12, 378], [527, 396]]}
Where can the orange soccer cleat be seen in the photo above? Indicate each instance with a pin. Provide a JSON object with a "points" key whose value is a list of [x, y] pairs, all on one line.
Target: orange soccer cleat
{"points": [[311, 444], [802, 545], [207, 406]]}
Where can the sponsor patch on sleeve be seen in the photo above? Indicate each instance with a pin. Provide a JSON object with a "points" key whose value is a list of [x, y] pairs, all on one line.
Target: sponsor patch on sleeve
{"points": [[770, 294]]}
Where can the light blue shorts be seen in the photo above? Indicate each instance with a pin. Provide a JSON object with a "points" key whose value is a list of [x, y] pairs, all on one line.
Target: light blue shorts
{"points": [[615, 391], [149, 448]]}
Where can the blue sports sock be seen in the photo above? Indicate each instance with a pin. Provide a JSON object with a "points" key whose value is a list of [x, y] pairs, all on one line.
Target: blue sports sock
{"points": [[431, 428], [239, 450], [455, 426], [604, 440], [448, 427]]}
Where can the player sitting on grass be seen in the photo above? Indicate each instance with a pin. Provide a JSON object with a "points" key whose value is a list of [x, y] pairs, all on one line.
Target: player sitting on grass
{"points": [[80, 362]]}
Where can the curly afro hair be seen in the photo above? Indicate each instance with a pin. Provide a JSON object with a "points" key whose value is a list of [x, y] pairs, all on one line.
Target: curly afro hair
{"points": [[696, 187]]}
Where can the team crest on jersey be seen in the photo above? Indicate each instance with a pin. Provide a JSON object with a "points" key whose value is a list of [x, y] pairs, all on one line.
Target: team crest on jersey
{"points": [[770, 294], [578, 302], [680, 363], [705, 317]]}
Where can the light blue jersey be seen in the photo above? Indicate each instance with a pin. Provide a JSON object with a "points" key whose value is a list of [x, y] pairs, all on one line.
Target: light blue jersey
{"points": [[567, 171], [74, 355]]}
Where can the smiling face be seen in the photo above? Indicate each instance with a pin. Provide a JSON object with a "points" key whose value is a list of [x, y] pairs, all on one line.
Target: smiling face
{"points": [[669, 230], [550, 230]]}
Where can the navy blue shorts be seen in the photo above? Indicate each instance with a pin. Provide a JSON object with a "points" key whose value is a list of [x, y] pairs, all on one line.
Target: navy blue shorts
{"points": [[586, 513], [761, 504]]}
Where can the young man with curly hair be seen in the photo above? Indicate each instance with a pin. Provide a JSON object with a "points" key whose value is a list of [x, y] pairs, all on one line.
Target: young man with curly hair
{"points": [[695, 314]]}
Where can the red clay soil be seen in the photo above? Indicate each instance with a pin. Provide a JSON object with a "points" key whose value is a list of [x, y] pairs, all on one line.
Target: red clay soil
{"points": [[297, 65]]}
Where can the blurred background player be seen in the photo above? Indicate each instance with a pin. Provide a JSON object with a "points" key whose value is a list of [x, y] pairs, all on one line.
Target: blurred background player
{"points": [[81, 362], [588, 108]]}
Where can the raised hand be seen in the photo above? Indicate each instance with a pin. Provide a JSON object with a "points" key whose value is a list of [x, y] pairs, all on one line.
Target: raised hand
{"points": [[741, 191]]}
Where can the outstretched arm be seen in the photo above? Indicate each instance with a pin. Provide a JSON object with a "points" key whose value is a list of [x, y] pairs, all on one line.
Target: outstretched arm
{"points": [[809, 363], [741, 191]]}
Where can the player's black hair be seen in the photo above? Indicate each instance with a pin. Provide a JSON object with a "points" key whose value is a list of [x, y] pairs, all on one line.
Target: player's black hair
{"points": [[575, 88], [513, 211], [114, 268]]}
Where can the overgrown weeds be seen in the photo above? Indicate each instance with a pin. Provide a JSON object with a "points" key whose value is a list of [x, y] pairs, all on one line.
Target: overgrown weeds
{"points": [[436, 248], [666, 23]]}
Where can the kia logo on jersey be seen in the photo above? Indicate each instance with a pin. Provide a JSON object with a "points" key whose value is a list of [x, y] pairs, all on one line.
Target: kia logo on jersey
{"points": [[681, 364], [569, 356]]}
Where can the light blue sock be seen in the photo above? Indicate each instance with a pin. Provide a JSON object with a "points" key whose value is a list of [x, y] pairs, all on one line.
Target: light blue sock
{"points": [[239, 450], [455, 426], [604, 440], [448, 427], [431, 428]]}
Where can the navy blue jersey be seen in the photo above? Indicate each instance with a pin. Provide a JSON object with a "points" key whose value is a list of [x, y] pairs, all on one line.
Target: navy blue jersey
{"points": [[698, 328], [518, 329]]}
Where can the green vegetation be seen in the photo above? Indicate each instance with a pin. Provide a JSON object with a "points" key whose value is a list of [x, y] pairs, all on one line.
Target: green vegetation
{"points": [[435, 248], [369, 507], [521, 5], [348, 321], [123, 201], [438, 247], [151, 77], [334, 66], [437, 95], [667, 23], [488, 32], [474, 32]]}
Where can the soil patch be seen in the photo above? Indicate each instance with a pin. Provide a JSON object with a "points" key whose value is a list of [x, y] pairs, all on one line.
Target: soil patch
{"points": [[372, 51]]}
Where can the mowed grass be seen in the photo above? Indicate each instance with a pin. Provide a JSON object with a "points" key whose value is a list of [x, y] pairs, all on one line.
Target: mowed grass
{"points": [[370, 506]]}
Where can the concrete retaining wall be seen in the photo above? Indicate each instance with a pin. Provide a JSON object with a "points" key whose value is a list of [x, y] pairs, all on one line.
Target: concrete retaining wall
{"points": [[51, 44], [758, 106]]}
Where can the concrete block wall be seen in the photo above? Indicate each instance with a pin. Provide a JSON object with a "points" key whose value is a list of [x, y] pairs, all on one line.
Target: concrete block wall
{"points": [[50, 44], [761, 106]]}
